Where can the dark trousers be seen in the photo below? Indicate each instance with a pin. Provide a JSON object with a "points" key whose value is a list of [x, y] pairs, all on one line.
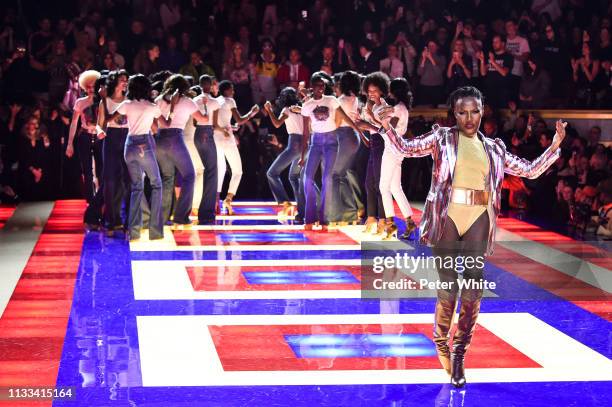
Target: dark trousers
{"points": [[116, 180], [172, 154], [345, 182], [89, 149], [205, 144], [374, 205], [139, 154]]}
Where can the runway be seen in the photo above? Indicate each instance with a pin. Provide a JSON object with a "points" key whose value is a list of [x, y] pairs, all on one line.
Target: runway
{"points": [[255, 311]]}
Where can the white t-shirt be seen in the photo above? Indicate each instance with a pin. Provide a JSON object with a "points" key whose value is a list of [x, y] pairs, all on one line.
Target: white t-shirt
{"points": [[120, 122], [294, 122], [401, 112], [140, 115], [515, 47], [350, 105], [322, 113], [224, 117], [210, 106], [183, 110]]}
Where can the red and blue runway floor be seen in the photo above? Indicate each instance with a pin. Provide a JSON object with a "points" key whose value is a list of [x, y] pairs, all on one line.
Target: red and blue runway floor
{"points": [[254, 311]]}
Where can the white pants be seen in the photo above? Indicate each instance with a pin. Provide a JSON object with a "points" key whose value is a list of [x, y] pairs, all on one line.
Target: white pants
{"points": [[391, 184], [228, 149], [198, 166]]}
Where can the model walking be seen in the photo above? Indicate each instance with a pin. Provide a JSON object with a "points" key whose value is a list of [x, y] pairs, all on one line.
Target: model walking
{"points": [[461, 210]]}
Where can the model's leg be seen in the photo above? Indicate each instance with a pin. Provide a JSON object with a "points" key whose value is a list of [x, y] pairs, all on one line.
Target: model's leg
{"points": [[475, 241], [446, 299]]}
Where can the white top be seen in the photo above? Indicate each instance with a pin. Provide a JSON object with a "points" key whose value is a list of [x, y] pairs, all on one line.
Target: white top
{"points": [[350, 105], [401, 112], [224, 116], [515, 47], [140, 115], [183, 110], [118, 123], [210, 106], [322, 113], [294, 122]]}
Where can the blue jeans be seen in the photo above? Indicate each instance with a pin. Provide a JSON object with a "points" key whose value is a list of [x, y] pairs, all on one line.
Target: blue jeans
{"points": [[205, 144], [289, 156], [139, 154], [172, 153], [322, 152], [116, 180], [345, 184]]}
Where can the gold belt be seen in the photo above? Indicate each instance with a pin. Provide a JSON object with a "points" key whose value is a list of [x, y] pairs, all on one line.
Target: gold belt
{"points": [[469, 196]]}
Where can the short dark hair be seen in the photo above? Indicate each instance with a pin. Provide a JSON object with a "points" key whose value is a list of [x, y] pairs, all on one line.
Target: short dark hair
{"points": [[139, 87], [327, 80], [224, 86], [378, 79], [464, 92], [501, 37], [367, 44], [349, 83], [206, 80]]}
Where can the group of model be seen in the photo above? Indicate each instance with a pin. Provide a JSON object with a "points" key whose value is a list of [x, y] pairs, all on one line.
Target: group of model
{"points": [[328, 124]]}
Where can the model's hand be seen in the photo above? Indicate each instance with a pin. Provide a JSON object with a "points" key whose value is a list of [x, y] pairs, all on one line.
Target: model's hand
{"points": [[560, 134], [383, 114], [101, 135], [69, 151], [268, 105]]}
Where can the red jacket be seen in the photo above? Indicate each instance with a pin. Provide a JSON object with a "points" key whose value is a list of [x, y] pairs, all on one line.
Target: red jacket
{"points": [[283, 78]]}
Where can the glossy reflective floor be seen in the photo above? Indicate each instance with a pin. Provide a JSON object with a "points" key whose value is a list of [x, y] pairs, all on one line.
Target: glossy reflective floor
{"points": [[255, 311]]}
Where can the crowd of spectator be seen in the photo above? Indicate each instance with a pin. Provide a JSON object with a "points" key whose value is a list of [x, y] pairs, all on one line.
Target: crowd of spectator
{"points": [[523, 54]]}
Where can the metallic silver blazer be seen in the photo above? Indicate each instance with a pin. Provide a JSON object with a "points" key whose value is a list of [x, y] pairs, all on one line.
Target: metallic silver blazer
{"points": [[441, 143]]}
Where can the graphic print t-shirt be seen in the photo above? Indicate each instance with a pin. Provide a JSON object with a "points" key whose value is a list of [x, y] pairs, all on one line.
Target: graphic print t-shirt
{"points": [[322, 113]]}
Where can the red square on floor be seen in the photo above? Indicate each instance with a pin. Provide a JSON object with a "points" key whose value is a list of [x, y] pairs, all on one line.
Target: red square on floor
{"points": [[265, 348]]}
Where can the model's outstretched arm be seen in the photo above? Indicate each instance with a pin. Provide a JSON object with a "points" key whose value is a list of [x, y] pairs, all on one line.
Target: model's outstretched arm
{"points": [[521, 167], [416, 147]]}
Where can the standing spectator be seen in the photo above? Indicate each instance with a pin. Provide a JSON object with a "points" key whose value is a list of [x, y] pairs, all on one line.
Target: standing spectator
{"points": [[407, 53], [328, 64], [369, 61], [238, 71], [58, 74], [459, 71], [535, 86], [554, 57], [40, 47], [34, 155], [431, 73], [266, 68], [496, 72], [196, 67], [518, 47], [293, 71], [146, 61], [117, 57], [585, 74], [171, 58], [392, 65], [134, 41]]}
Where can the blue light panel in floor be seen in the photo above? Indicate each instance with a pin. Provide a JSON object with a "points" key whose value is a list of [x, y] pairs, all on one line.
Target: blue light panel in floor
{"points": [[300, 277], [263, 237], [364, 345]]}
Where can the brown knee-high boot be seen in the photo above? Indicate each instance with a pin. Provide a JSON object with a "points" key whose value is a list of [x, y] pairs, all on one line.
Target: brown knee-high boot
{"points": [[468, 314], [443, 321]]}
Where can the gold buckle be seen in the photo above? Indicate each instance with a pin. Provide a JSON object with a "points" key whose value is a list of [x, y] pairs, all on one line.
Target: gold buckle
{"points": [[469, 196]]}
